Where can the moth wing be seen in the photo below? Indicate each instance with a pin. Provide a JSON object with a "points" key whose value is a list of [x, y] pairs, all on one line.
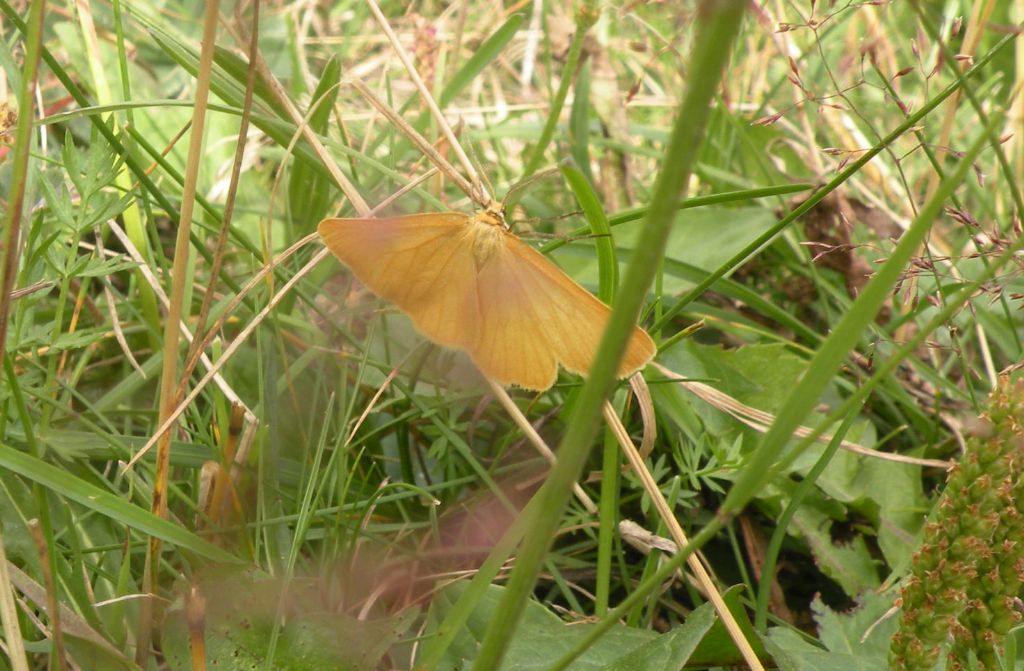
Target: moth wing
{"points": [[512, 348], [423, 263], [534, 316]]}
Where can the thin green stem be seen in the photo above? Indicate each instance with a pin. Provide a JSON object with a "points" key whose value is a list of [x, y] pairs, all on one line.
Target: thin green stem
{"points": [[719, 24], [782, 524], [586, 17], [19, 165]]}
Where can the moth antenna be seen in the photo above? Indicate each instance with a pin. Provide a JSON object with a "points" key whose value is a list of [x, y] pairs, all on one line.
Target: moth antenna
{"points": [[511, 196], [415, 182], [485, 195]]}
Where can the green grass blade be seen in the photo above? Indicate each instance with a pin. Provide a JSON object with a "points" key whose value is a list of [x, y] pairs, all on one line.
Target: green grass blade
{"points": [[586, 17], [68, 486], [719, 26], [488, 50], [607, 264]]}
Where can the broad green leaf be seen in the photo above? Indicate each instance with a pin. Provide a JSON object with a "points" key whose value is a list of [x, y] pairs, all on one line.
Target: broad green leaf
{"points": [[704, 238], [543, 636]]}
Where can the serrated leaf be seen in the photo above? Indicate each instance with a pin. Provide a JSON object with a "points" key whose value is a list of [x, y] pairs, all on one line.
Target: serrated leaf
{"points": [[92, 267], [855, 641]]}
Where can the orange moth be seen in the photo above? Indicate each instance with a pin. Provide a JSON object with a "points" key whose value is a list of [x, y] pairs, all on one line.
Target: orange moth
{"points": [[469, 283]]}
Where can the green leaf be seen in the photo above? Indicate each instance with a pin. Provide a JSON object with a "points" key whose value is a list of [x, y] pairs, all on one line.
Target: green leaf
{"points": [[854, 641], [757, 375], [88, 266], [579, 122], [717, 648], [608, 268], [92, 497], [542, 637], [704, 238], [849, 563], [889, 494]]}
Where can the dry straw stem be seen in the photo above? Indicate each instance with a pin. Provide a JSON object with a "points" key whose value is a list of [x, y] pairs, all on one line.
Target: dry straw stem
{"points": [[179, 279], [647, 415], [11, 248], [478, 191], [761, 421], [538, 443], [676, 530], [147, 274], [418, 140], [9, 615], [349, 189], [229, 206], [243, 335]]}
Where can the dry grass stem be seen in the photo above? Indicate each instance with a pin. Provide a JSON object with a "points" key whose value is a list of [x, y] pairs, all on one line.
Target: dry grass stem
{"points": [[676, 529]]}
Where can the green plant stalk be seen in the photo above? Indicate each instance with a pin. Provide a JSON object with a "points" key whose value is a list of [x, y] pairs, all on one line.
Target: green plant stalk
{"points": [[736, 500], [58, 326], [638, 213], [22, 151], [608, 507], [608, 278], [9, 270], [586, 16], [779, 533], [458, 614], [765, 238], [579, 122], [718, 25], [597, 220], [635, 599]]}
